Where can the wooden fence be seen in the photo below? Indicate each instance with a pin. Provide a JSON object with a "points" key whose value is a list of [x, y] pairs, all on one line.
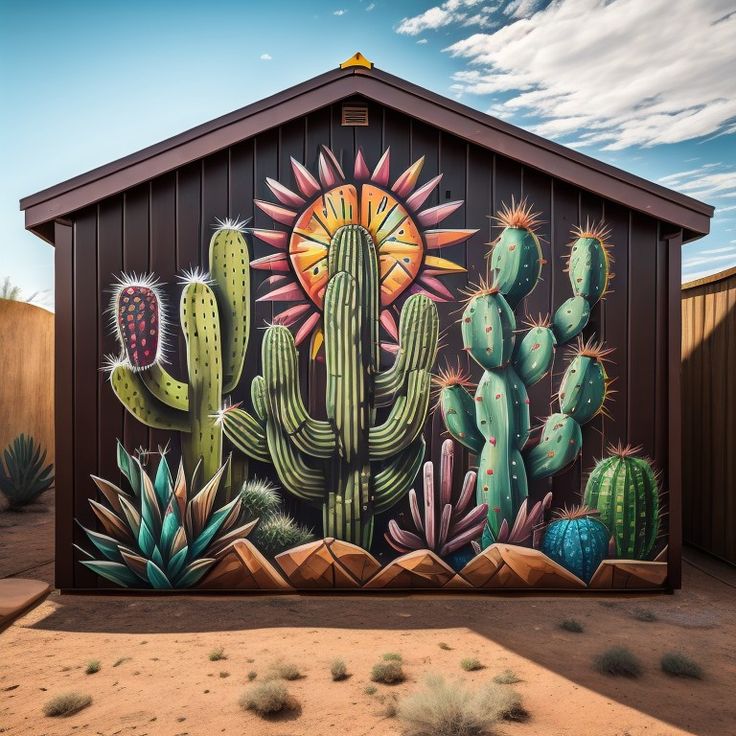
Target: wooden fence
{"points": [[709, 413]]}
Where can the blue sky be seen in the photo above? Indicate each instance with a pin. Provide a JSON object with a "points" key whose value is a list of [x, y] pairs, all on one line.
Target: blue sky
{"points": [[645, 85]]}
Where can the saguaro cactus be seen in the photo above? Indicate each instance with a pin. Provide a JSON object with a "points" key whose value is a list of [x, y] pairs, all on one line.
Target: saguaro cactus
{"points": [[348, 464], [623, 488], [215, 321], [495, 423]]}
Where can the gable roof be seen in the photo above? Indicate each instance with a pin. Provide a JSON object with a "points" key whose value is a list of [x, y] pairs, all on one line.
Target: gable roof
{"points": [[42, 208]]}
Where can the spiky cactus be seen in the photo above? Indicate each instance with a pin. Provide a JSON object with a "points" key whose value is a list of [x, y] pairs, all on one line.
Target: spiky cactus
{"points": [[350, 465], [163, 533], [215, 321], [448, 523], [623, 488], [24, 476], [495, 423]]}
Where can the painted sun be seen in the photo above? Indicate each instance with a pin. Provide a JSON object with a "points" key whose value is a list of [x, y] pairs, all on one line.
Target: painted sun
{"points": [[406, 236]]}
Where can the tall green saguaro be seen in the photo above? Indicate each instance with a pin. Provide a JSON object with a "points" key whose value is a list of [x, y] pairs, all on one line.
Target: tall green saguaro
{"points": [[214, 315], [348, 464], [495, 423]]}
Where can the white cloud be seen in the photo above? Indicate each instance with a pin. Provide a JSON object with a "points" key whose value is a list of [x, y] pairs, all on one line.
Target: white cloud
{"points": [[340, 12], [521, 8], [422, 41], [265, 57], [596, 66], [370, 7], [451, 11], [703, 183]]}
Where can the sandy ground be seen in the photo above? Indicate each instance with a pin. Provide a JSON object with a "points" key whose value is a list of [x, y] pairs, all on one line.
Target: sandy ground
{"points": [[165, 684]]}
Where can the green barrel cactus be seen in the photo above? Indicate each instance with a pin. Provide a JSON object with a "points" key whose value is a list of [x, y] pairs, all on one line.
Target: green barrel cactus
{"points": [[350, 465], [577, 541], [495, 423], [623, 488], [214, 316]]}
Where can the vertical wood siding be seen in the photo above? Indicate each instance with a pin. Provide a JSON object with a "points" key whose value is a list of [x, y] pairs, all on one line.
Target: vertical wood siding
{"points": [[709, 415], [165, 226]]}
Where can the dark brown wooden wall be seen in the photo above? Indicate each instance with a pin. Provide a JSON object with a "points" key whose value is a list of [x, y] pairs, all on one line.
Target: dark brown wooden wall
{"points": [[165, 225], [709, 414]]}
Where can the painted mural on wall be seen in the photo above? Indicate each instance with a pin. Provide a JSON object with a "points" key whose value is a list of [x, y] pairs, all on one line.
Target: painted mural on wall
{"points": [[355, 277]]}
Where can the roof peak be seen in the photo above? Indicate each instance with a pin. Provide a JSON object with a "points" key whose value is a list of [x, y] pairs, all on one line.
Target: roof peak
{"points": [[357, 59]]}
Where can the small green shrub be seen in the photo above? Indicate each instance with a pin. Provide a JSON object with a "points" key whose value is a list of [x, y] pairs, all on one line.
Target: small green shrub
{"points": [[507, 677], [267, 698], [279, 532], [644, 614], [92, 666], [450, 709], [23, 477], [388, 672], [618, 662], [680, 665], [283, 671], [444, 645], [259, 498], [471, 664], [370, 689], [66, 704], [217, 654], [252, 675], [338, 670], [572, 625], [392, 657]]}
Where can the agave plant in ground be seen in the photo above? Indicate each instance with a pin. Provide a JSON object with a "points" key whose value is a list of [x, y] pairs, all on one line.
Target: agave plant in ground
{"points": [[447, 524], [164, 534], [23, 477]]}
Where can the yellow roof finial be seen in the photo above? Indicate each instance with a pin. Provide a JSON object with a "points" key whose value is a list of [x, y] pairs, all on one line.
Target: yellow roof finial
{"points": [[357, 59]]}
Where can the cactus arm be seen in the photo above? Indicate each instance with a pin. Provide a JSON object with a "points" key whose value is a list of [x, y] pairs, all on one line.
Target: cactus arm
{"points": [[146, 408], [405, 420], [516, 261], [246, 433], [458, 415], [201, 326], [571, 318], [559, 445], [280, 372], [394, 481], [583, 388], [230, 271], [534, 355], [418, 331], [161, 384]]}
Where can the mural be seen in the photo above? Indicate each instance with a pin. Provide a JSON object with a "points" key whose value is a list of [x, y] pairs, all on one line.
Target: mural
{"points": [[339, 410]]}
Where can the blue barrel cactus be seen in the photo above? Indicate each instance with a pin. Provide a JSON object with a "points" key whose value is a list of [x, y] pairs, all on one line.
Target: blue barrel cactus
{"points": [[577, 540]]}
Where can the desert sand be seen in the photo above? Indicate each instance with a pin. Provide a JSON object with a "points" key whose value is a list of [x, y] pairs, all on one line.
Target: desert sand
{"points": [[164, 683]]}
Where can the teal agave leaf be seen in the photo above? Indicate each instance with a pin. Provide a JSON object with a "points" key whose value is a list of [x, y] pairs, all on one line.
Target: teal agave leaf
{"points": [[176, 564], [156, 575], [129, 468], [106, 545], [117, 572], [212, 527], [194, 572], [163, 483]]}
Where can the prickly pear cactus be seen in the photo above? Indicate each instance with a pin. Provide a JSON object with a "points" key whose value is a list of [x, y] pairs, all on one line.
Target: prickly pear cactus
{"points": [[495, 423], [215, 319], [577, 541], [623, 488]]}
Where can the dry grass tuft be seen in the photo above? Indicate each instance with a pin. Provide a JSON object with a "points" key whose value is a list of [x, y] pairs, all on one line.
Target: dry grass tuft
{"points": [[370, 689], [283, 671], [392, 657], [471, 664], [444, 645], [388, 672], [217, 654], [338, 670], [450, 709], [92, 667], [252, 675], [66, 704], [680, 665], [267, 699], [572, 625], [618, 662], [507, 677]]}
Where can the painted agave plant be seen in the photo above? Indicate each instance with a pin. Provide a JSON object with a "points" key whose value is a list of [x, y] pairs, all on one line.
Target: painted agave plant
{"points": [[165, 533]]}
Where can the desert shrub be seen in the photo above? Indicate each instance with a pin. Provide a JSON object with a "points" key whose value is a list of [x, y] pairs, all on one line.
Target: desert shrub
{"points": [[387, 672], [507, 677], [471, 664], [252, 675], [444, 645], [370, 689], [66, 704], [259, 498], [283, 671], [619, 662], [572, 625], [680, 665], [644, 614], [392, 657], [23, 477], [267, 698], [217, 654], [450, 709], [279, 532], [338, 670], [92, 666]]}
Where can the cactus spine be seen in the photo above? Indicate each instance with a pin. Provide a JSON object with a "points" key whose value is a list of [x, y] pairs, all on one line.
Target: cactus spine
{"points": [[349, 465], [495, 424], [624, 490], [214, 316]]}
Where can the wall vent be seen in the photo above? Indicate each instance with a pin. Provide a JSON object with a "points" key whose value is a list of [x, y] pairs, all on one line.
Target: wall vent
{"points": [[355, 115]]}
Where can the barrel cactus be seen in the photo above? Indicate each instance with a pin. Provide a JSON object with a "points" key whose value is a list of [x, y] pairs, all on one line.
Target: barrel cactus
{"points": [[577, 541], [623, 488], [164, 533], [495, 422], [215, 321]]}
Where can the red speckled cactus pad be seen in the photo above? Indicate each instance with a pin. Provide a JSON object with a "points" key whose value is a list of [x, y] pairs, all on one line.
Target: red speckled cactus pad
{"points": [[138, 324]]}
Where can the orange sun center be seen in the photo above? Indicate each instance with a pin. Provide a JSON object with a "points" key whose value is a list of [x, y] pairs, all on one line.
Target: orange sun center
{"points": [[395, 234]]}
